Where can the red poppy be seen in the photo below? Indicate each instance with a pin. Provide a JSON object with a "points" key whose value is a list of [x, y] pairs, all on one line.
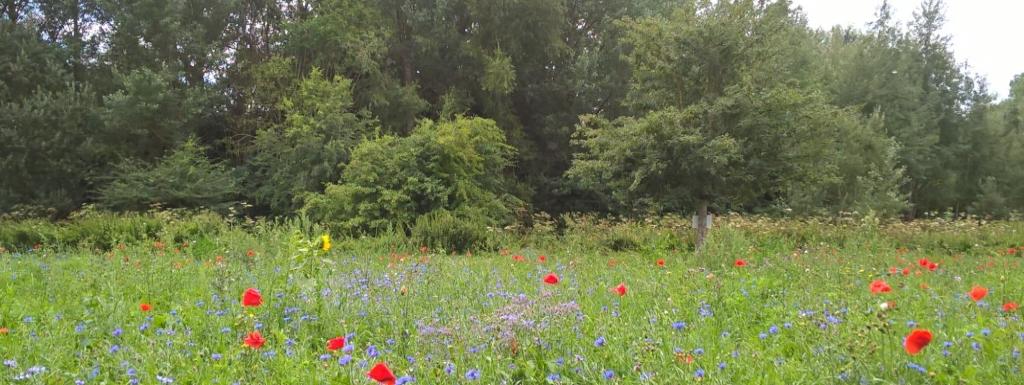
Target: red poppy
{"points": [[917, 340], [335, 343], [1010, 306], [542, 259], [893, 270], [551, 279], [382, 374], [740, 263], [518, 258], [923, 262], [906, 272], [254, 340], [620, 290], [978, 292], [661, 263], [879, 286], [252, 298], [933, 266], [145, 307], [250, 253], [4, 331]]}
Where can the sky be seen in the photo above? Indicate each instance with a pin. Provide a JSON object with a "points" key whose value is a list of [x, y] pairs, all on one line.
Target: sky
{"points": [[986, 34]]}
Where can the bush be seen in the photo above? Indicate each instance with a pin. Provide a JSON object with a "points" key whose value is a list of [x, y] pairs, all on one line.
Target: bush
{"points": [[458, 166], [444, 230], [182, 179]]}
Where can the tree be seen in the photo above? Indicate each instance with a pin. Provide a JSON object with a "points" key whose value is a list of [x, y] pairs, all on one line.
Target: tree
{"points": [[310, 147], [725, 113]]}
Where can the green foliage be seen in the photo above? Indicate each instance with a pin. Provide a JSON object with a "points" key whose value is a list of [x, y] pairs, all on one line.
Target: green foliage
{"points": [[456, 166], [310, 147], [448, 231], [184, 178], [49, 149]]}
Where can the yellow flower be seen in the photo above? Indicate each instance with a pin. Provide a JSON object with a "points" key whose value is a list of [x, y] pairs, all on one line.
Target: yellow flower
{"points": [[326, 240]]}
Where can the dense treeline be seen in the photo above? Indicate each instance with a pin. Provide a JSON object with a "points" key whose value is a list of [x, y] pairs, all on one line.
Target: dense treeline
{"points": [[372, 113]]}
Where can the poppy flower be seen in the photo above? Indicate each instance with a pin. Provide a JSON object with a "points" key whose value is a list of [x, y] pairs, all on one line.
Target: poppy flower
{"points": [[325, 242], [250, 253], [740, 263], [906, 272], [335, 343], [551, 279], [1010, 307], [893, 270], [254, 340], [4, 331], [620, 290], [932, 266], [923, 262], [542, 259], [145, 307], [977, 293], [518, 258], [879, 286], [252, 298], [917, 340], [661, 263], [382, 374]]}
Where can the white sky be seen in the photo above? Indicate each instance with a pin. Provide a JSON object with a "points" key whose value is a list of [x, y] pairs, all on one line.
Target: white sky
{"points": [[986, 34]]}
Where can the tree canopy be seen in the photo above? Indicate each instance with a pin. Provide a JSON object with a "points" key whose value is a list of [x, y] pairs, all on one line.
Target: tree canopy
{"points": [[616, 106]]}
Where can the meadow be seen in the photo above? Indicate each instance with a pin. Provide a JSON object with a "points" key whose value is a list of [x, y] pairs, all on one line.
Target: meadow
{"points": [[161, 298]]}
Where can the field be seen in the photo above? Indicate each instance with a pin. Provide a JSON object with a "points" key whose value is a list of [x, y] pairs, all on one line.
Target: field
{"points": [[115, 306]]}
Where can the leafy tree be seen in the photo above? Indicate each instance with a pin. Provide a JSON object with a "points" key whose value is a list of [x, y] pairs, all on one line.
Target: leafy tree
{"points": [[312, 145], [48, 149], [726, 116], [456, 166]]}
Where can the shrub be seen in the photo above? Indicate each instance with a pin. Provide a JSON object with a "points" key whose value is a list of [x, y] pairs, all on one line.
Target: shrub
{"points": [[458, 166], [183, 179], [442, 229]]}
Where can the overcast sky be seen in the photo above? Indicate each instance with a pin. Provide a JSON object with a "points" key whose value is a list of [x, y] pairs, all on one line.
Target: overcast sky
{"points": [[987, 34]]}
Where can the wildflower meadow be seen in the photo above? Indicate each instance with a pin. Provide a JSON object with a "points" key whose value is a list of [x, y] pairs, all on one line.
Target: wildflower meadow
{"points": [[767, 302]]}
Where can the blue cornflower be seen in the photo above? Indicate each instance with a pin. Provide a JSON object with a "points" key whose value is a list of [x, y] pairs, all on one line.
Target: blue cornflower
{"points": [[411, 359], [405, 380], [449, 368], [164, 380], [773, 330], [599, 342], [970, 334], [705, 310], [560, 361], [976, 346], [473, 374], [114, 349], [721, 366], [698, 351], [344, 360], [554, 377], [79, 328], [762, 335], [917, 367], [787, 325], [372, 351], [117, 332], [216, 356], [678, 325], [699, 373], [986, 332], [325, 357], [608, 374]]}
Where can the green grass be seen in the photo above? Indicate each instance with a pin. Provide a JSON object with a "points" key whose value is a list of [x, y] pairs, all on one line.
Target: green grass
{"points": [[63, 301]]}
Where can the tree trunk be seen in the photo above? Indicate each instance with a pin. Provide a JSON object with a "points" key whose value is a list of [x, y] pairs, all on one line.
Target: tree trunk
{"points": [[702, 224]]}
